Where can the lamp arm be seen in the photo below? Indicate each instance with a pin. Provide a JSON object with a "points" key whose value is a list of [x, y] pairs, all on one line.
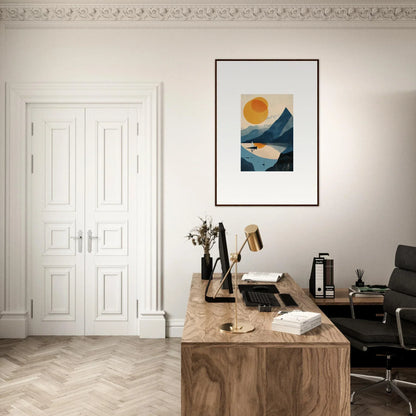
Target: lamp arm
{"points": [[230, 268]]}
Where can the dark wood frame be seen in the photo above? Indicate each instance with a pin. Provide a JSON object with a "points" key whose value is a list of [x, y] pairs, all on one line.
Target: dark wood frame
{"points": [[317, 135]]}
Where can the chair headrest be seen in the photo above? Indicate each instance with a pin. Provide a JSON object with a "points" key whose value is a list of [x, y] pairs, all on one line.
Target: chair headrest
{"points": [[406, 258]]}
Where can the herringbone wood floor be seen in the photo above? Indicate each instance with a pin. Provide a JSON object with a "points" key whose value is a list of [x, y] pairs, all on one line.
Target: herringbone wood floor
{"points": [[119, 376], [94, 376]]}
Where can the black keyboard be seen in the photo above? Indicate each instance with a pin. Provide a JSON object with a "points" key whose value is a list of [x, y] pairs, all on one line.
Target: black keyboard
{"points": [[287, 299], [260, 298]]}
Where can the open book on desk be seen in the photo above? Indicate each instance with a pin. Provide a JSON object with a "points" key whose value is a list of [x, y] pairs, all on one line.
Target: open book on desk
{"points": [[262, 277]]}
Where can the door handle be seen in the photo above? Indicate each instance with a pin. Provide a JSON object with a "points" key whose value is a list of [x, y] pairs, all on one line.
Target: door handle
{"points": [[90, 237], [79, 238]]}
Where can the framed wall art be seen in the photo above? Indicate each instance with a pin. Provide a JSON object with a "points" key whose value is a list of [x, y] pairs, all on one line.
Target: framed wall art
{"points": [[266, 132]]}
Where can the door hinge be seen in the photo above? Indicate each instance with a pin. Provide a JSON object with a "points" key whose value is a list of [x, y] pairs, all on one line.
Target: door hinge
{"points": [[137, 308], [137, 129], [32, 128], [138, 163], [31, 164], [31, 308]]}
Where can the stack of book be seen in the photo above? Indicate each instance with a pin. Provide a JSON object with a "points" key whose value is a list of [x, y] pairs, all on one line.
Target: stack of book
{"points": [[296, 322], [369, 290]]}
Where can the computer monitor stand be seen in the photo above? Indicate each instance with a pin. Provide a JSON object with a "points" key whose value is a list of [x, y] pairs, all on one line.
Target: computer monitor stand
{"points": [[216, 299]]}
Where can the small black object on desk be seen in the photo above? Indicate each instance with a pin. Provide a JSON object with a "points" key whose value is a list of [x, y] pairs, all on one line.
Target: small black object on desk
{"points": [[287, 299], [264, 308], [259, 288]]}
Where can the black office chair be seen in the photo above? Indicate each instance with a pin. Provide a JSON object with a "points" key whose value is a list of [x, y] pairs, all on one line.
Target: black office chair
{"points": [[398, 329]]}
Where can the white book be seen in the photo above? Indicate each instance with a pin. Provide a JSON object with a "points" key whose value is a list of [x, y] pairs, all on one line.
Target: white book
{"points": [[296, 322], [262, 277], [292, 330]]}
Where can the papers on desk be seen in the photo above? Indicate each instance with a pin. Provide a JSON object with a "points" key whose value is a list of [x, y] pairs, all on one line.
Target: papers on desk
{"points": [[296, 322], [262, 277]]}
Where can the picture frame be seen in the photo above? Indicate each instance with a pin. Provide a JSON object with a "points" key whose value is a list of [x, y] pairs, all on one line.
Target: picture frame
{"points": [[266, 132]]}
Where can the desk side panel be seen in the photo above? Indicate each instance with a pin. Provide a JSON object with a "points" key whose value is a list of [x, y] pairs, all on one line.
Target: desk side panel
{"points": [[219, 380], [308, 381], [223, 381], [331, 394]]}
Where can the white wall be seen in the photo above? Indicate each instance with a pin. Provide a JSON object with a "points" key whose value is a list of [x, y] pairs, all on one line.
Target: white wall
{"points": [[367, 135]]}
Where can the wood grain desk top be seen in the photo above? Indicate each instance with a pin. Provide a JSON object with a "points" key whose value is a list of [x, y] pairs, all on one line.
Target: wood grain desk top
{"points": [[342, 299], [203, 319]]}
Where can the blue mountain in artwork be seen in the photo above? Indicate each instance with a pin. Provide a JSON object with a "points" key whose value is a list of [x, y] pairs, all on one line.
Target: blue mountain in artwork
{"points": [[251, 132], [285, 138], [281, 131]]}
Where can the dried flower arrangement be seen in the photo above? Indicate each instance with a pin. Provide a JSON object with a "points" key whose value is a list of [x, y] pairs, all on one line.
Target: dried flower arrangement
{"points": [[204, 235]]}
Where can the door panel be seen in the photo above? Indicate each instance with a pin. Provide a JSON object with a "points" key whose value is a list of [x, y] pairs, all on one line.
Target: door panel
{"points": [[111, 219], [111, 162], [60, 165], [58, 238], [60, 297], [112, 302], [112, 239], [56, 215]]}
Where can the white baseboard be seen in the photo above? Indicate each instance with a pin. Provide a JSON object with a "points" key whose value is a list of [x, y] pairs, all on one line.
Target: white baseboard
{"points": [[175, 328], [13, 325], [152, 324]]}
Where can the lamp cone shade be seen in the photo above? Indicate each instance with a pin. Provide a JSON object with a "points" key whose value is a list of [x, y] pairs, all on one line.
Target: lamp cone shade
{"points": [[253, 237]]}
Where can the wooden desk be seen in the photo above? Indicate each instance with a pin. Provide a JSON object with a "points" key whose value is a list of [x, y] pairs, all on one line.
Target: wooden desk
{"points": [[264, 372]]}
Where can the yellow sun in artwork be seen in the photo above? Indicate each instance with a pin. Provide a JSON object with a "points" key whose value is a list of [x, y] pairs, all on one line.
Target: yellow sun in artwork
{"points": [[256, 110]]}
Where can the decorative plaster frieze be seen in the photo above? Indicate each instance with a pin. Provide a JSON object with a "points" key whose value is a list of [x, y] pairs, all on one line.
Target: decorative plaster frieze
{"points": [[212, 13]]}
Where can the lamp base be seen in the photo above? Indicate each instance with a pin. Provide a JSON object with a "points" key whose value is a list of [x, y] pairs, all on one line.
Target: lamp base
{"points": [[243, 328]]}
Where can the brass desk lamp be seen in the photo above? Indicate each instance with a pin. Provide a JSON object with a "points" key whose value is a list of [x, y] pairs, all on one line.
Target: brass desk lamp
{"points": [[253, 239]]}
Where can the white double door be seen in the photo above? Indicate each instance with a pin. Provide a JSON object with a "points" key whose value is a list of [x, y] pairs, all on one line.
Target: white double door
{"points": [[83, 219]]}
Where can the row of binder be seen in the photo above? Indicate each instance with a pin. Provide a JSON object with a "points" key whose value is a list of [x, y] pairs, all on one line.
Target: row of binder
{"points": [[321, 282]]}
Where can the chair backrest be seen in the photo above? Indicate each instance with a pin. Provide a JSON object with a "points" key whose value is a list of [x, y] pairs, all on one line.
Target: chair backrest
{"points": [[402, 284]]}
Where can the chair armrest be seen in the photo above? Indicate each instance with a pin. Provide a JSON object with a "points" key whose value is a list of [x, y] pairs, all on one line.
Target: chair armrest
{"points": [[400, 329], [354, 293]]}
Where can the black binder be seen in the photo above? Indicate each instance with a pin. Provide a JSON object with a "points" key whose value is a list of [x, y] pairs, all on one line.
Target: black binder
{"points": [[321, 281]]}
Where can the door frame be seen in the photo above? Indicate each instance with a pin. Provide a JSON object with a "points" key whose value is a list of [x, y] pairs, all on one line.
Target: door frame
{"points": [[14, 287]]}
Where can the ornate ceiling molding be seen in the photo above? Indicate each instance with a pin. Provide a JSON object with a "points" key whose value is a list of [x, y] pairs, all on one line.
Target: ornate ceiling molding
{"points": [[205, 13]]}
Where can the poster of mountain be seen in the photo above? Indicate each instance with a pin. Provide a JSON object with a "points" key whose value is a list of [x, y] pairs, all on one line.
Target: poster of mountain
{"points": [[266, 132]]}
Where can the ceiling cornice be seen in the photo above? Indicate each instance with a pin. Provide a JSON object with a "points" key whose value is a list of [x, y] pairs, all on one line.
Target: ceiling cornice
{"points": [[206, 13]]}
